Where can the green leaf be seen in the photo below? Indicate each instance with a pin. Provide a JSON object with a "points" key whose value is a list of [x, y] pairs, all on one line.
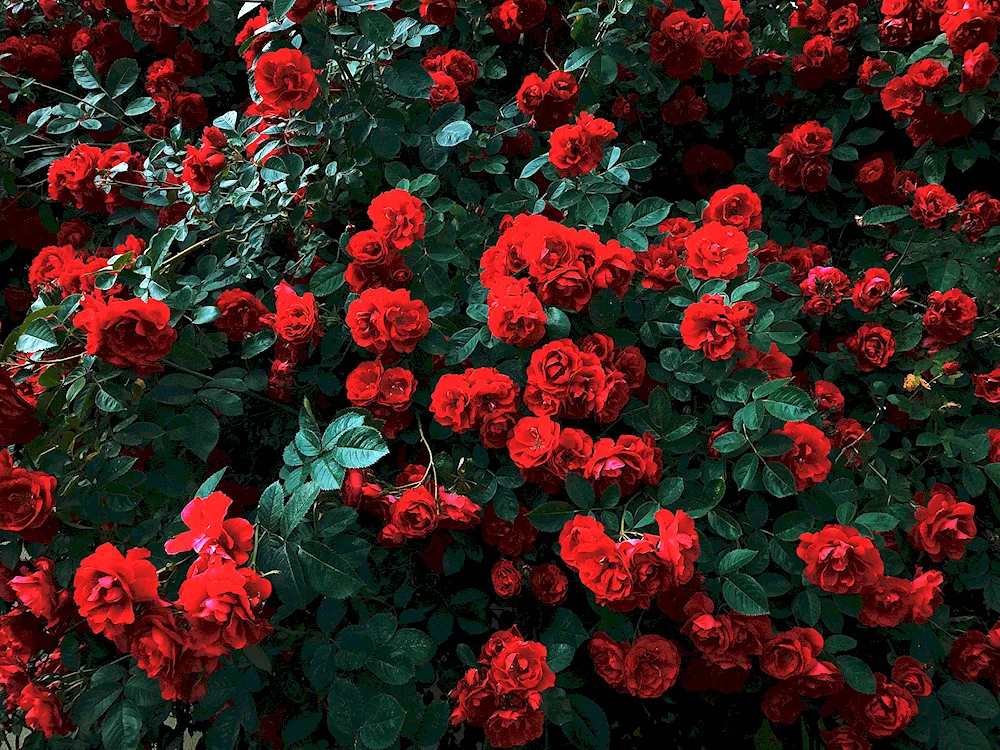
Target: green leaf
{"points": [[969, 698], [140, 106], [735, 560], [864, 136], [376, 27], [883, 215], [272, 502], [580, 491], [408, 79], [877, 521], [551, 516], [778, 480], [961, 734], [359, 447], [790, 404], [670, 491], [330, 573], [714, 11], [453, 133], [143, 690], [383, 718], [588, 727], [85, 72], [745, 595], [856, 673], [122, 76], [122, 728]]}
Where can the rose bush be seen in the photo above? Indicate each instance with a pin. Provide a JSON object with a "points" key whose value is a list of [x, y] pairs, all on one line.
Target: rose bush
{"points": [[444, 374]]}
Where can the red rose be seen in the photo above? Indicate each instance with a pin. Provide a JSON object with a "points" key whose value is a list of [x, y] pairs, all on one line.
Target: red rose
{"points": [[444, 91], [987, 386], [285, 80], [38, 591], [872, 290], [240, 314], [296, 320], [714, 328], [736, 206], [514, 727], [774, 362], [42, 710], [950, 317], [791, 654], [520, 666], [475, 697], [549, 584], [944, 526], [839, 560], [210, 534], [782, 703], [26, 497], [200, 167], [516, 319], [844, 738], [716, 251], [414, 514], [456, 511], [886, 603], [994, 454], [441, 13], [678, 545], [532, 441], [931, 204], [362, 384], [925, 595], [399, 217], [381, 319], [396, 388], [108, 585], [577, 149], [222, 605], [161, 648], [71, 180], [973, 657], [651, 666], [512, 538], [628, 462], [928, 74], [187, 13], [978, 66], [828, 396], [872, 346], [609, 659], [300, 9], [885, 714], [506, 579], [909, 673], [130, 333], [18, 424], [809, 457]]}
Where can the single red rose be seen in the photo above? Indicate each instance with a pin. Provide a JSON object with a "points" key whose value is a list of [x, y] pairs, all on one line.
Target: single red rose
{"points": [[911, 674], [241, 314], [506, 579], [549, 584], [285, 81], [792, 653], [839, 560], [130, 333], [609, 659], [872, 346], [944, 526], [108, 587], [210, 534], [223, 608], [381, 319], [27, 498], [652, 666], [886, 603]]}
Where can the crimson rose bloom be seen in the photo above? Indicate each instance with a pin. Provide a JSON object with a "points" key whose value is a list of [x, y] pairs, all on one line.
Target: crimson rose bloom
{"points": [[414, 515], [844, 738], [839, 560], [872, 346], [909, 673], [130, 333], [809, 457], [549, 584], [978, 66], [577, 149], [399, 217], [886, 603], [187, 13], [931, 204], [108, 585], [714, 328], [944, 526], [885, 714], [26, 497], [792, 653], [987, 386], [736, 206], [210, 534], [870, 291], [18, 424], [950, 317], [285, 81], [973, 656], [532, 441], [716, 251], [651, 666], [609, 659], [42, 710], [381, 319], [506, 579], [39, 592], [222, 605], [161, 648], [296, 320], [240, 314], [521, 666]]}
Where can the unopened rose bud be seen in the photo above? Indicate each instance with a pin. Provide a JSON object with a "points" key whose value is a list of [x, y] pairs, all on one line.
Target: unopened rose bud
{"points": [[900, 296], [950, 368]]}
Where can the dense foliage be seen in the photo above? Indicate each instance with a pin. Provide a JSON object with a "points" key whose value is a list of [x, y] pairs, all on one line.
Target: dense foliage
{"points": [[449, 374]]}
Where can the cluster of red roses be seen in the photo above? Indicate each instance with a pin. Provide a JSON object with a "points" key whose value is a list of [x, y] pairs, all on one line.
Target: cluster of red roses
{"points": [[682, 43], [646, 668], [504, 694], [73, 270], [386, 393], [564, 266], [218, 608], [549, 101], [548, 583], [482, 399], [410, 509], [164, 80], [453, 73], [96, 181], [510, 19], [799, 161], [632, 572], [578, 148], [377, 260]]}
